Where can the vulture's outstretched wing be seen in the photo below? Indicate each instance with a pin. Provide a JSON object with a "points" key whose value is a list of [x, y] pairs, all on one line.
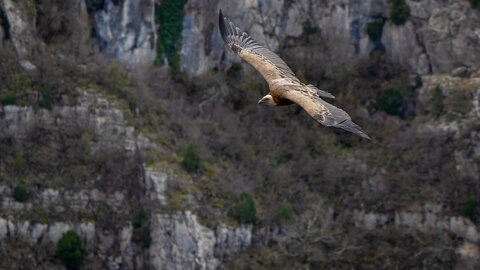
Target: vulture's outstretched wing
{"points": [[283, 82], [325, 113], [270, 65]]}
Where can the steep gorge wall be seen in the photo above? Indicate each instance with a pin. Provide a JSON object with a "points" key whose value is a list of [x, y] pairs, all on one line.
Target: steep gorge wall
{"points": [[438, 37], [124, 30], [179, 240]]}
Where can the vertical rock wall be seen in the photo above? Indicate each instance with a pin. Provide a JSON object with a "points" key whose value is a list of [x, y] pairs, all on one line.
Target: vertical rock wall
{"points": [[126, 30], [438, 36]]}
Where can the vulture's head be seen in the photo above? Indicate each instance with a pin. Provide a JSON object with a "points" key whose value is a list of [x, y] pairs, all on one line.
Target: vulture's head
{"points": [[268, 100]]}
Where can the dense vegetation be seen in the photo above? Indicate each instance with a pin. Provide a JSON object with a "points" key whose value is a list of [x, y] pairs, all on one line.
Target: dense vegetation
{"points": [[169, 15], [70, 250]]}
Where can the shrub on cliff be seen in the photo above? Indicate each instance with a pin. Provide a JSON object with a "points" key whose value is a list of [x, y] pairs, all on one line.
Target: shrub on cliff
{"points": [[374, 29], [393, 101], [70, 250], [141, 230], [475, 3], [436, 101], [46, 98], [20, 194], [246, 211], [19, 163], [169, 18], [400, 12], [469, 209], [285, 212], [9, 99], [191, 158]]}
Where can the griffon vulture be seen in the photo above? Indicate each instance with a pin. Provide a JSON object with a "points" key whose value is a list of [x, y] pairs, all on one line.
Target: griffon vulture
{"points": [[285, 87]]}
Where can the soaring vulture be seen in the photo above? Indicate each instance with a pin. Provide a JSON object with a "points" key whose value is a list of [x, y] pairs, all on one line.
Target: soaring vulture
{"points": [[285, 87]]}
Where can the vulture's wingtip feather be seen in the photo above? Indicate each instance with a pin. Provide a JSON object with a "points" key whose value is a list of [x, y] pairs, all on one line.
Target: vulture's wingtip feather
{"points": [[350, 126], [221, 25]]}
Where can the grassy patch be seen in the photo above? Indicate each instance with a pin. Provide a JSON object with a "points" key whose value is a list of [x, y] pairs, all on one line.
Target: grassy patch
{"points": [[285, 211], [176, 199], [19, 163], [459, 101]]}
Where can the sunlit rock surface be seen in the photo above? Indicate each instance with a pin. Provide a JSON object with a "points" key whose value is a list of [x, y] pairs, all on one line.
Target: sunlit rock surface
{"points": [[21, 25], [126, 30]]}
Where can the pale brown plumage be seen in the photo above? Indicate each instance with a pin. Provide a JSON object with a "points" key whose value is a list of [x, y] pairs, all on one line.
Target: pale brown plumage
{"points": [[285, 87]]}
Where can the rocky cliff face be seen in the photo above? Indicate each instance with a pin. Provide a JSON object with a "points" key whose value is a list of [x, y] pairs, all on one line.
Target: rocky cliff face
{"points": [[126, 30], [438, 37], [178, 240], [406, 189]]}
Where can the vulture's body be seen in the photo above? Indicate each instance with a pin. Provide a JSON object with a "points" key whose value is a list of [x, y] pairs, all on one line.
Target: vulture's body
{"points": [[285, 87]]}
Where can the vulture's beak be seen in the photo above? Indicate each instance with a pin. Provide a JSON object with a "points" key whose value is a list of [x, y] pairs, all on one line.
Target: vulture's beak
{"points": [[261, 101]]}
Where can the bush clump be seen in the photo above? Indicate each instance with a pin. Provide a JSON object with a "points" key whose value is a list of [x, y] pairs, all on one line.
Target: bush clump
{"points": [[309, 28], [246, 211], [285, 212], [375, 29], [469, 209], [234, 70], [169, 18], [46, 98], [436, 101], [20, 194], [141, 230], [191, 158], [393, 101], [475, 3], [70, 250], [19, 163], [400, 12], [9, 99]]}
